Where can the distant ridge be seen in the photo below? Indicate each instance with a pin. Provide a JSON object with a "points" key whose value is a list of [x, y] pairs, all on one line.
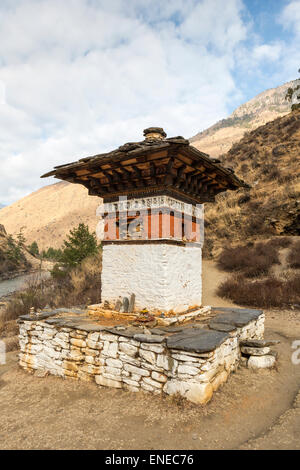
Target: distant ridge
{"points": [[263, 108]]}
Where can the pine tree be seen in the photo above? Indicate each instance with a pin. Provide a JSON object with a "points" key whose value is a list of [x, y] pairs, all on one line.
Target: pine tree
{"points": [[79, 245], [34, 249]]}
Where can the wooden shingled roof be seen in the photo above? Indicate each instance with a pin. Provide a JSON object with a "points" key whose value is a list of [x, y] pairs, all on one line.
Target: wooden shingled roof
{"points": [[156, 165]]}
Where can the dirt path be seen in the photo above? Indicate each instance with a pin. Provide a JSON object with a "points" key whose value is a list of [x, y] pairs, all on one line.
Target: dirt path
{"points": [[211, 278]]}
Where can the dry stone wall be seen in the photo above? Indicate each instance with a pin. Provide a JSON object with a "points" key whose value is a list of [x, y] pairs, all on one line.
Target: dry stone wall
{"points": [[192, 362]]}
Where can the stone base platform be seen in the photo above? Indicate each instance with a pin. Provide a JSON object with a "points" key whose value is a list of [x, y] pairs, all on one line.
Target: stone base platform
{"points": [[192, 359]]}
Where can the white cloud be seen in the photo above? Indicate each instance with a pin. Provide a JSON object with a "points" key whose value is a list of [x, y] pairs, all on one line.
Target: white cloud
{"points": [[267, 52], [84, 76], [290, 17]]}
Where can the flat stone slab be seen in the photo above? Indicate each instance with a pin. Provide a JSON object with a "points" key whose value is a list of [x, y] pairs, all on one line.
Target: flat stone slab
{"points": [[128, 332], [41, 316], [149, 338], [221, 327], [89, 327], [259, 343], [238, 317], [255, 351], [197, 340]]}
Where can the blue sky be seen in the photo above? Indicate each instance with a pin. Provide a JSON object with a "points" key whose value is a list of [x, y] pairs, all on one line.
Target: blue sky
{"points": [[81, 77]]}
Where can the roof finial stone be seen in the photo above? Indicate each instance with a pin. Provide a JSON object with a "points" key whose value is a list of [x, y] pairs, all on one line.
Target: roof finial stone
{"points": [[154, 133]]}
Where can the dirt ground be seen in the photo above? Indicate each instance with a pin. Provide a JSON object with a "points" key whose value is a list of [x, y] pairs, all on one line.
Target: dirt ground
{"points": [[253, 410]]}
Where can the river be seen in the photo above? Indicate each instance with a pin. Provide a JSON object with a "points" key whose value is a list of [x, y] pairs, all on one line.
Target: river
{"points": [[18, 283]]}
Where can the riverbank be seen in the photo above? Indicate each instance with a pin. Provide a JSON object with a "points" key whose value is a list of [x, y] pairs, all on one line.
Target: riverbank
{"points": [[9, 286]]}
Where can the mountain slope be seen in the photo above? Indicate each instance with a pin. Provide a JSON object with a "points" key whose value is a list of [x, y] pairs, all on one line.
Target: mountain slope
{"points": [[48, 214], [267, 159], [264, 108]]}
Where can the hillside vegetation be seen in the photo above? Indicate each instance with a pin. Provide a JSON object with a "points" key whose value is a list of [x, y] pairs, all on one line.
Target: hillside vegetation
{"points": [[267, 159], [13, 257]]}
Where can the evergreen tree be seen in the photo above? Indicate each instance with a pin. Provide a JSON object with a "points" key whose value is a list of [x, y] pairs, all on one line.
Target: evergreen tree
{"points": [[34, 249], [79, 245]]}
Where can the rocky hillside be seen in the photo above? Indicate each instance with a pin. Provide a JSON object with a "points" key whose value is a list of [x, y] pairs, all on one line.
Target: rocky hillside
{"points": [[267, 159], [47, 215], [264, 108]]}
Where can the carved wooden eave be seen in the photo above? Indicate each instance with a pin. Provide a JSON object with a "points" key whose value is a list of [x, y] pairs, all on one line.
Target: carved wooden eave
{"points": [[151, 167]]}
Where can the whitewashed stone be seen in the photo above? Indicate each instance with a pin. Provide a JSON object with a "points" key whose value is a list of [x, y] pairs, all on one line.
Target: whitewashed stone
{"points": [[136, 377], [114, 363], [76, 355], [79, 343], [219, 380], [112, 370], [110, 349], [187, 359], [157, 348], [63, 336], [123, 339], [159, 377], [136, 370], [94, 336], [34, 348], [91, 352], [51, 352], [167, 363], [261, 362], [124, 373], [199, 393], [90, 359], [108, 337], [174, 386], [148, 356], [59, 342], [105, 382], [183, 369], [91, 369], [129, 360], [152, 382], [128, 349], [131, 382]]}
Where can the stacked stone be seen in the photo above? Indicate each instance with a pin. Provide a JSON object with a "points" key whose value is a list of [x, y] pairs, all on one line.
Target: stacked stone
{"points": [[257, 354], [191, 361]]}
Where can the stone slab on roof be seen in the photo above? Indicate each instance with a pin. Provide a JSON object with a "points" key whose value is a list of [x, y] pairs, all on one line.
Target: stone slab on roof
{"points": [[196, 340]]}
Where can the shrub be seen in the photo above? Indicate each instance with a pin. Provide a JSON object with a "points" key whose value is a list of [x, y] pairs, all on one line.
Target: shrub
{"points": [[265, 293], [280, 242], [294, 256], [252, 260]]}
